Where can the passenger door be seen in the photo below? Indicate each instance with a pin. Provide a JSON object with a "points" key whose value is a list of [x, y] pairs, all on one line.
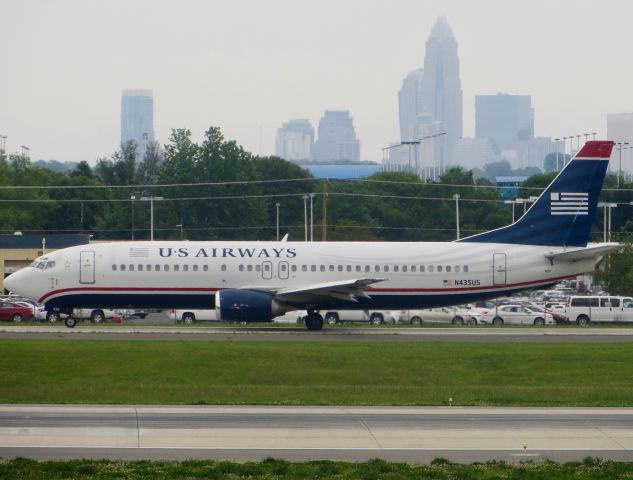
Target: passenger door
{"points": [[499, 268], [87, 267]]}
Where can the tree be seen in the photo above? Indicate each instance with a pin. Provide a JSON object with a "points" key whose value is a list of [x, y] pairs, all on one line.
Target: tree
{"points": [[616, 275]]}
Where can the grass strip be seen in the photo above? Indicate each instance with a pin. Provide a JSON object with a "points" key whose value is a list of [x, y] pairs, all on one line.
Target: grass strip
{"points": [[439, 469], [309, 373]]}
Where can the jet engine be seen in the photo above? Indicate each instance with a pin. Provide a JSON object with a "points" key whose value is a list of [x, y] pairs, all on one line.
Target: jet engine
{"points": [[236, 305]]}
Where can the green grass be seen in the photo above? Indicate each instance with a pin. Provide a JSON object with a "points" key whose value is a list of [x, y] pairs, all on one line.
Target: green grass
{"points": [[282, 470], [323, 373]]}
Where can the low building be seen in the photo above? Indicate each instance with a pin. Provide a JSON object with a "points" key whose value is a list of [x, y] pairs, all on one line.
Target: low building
{"points": [[18, 251]]}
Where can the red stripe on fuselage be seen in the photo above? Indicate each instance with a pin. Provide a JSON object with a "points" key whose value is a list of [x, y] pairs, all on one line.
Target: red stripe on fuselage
{"points": [[374, 290]]}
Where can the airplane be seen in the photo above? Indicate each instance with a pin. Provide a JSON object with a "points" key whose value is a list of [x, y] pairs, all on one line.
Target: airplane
{"points": [[258, 280]]}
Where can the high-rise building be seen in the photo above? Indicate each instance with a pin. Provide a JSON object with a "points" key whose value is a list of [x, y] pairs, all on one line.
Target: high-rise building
{"points": [[430, 101], [295, 140], [337, 138], [137, 119], [620, 130], [504, 119]]}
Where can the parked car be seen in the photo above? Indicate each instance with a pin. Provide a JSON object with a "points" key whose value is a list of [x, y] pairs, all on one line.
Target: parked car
{"points": [[39, 312], [377, 317], [96, 315], [11, 312], [516, 315], [453, 315], [559, 317], [192, 316]]}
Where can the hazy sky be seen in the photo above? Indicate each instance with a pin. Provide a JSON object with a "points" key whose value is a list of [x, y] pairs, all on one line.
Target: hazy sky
{"points": [[247, 66]]}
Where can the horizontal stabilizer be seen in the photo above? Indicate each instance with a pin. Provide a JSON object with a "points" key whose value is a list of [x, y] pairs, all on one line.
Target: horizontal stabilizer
{"points": [[593, 251]]}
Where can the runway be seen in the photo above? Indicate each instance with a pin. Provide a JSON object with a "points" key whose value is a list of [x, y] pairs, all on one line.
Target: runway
{"points": [[239, 333], [408, 434]]}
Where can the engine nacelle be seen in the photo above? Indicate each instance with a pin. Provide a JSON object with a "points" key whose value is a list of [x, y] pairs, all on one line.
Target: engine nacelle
{"points": [[235, 305]]}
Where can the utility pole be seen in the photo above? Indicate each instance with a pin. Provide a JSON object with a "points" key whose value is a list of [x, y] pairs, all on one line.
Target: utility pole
{"points": [[324, 226]]}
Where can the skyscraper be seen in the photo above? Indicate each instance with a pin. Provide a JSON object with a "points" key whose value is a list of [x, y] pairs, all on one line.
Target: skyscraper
{"points": [[620, 129], [430, 101], [137, 119], [295, 140], [337, 138], [504, 119]]}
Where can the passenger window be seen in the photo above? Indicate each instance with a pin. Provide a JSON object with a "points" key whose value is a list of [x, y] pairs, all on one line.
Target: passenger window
{"points": [[396, 268], [241, 268], [176, 268], [385, 268], [249, 268], [185, 268], [367, 268], [465, 268], [148, 268], [206, 268], [322, 268], [377, 268], [157, 268], [615, 302], [358, 268], [413, 268], [349, 268], [448, 268], [439, 268], [431, 268], [456, 268], [223, 268], [404, 268], [313, 268], [283, 267], [304, 268], [258, 268], [122, 268], [331, 268], [195, 268], [166, 268], [293, 268], [340, 268], [266, 267], [114, 268], [140, 267], [131, 267]]}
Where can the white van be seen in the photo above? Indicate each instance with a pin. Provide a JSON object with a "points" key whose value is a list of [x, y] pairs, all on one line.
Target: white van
{"points": [[602, 308]]}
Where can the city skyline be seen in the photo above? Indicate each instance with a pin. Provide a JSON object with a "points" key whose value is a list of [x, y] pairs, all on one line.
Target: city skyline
{"points": [[247, 68]]}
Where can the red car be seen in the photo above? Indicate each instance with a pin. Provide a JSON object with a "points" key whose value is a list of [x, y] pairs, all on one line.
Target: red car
{"points": [[10, 312]]}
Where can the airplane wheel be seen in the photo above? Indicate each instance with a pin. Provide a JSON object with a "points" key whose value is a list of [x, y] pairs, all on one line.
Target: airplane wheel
{"points": [[70, 322], [314, 322], [497, 321]]}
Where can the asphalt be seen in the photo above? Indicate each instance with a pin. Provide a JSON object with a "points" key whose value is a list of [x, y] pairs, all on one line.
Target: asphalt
{"points": [[245, 333], [409, 434]]}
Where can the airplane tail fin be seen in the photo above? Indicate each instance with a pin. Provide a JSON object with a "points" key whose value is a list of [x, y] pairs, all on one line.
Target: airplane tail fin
{"points": [[563, 214]]}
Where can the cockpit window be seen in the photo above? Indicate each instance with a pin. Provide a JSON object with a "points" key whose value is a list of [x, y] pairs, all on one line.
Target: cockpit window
{"points": [[43, 265]]}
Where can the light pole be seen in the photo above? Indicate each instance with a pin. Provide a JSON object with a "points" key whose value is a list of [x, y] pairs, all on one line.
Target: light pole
{"points": [[25, 150], [611, 205], [3, 143], [456, 197], [620, 144], [311, 217], [513, 202], [181, 227], [151, 214], [133, 198], [557, 140], [277, 207], [305, 218]]}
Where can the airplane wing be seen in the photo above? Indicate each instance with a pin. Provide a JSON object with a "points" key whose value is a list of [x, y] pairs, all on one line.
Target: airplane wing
{"points": [[593, 251], [342, 290]]}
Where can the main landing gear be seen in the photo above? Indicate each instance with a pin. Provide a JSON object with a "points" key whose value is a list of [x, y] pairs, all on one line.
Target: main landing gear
{"points": [[314, 321]]}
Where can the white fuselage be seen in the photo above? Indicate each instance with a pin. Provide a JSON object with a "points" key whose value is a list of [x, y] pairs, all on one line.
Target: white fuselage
{"points": [[182, 274]]}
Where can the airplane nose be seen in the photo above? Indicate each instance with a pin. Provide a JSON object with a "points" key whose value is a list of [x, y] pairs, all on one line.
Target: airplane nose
{"points": [[9, 283], [21, 283]]}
